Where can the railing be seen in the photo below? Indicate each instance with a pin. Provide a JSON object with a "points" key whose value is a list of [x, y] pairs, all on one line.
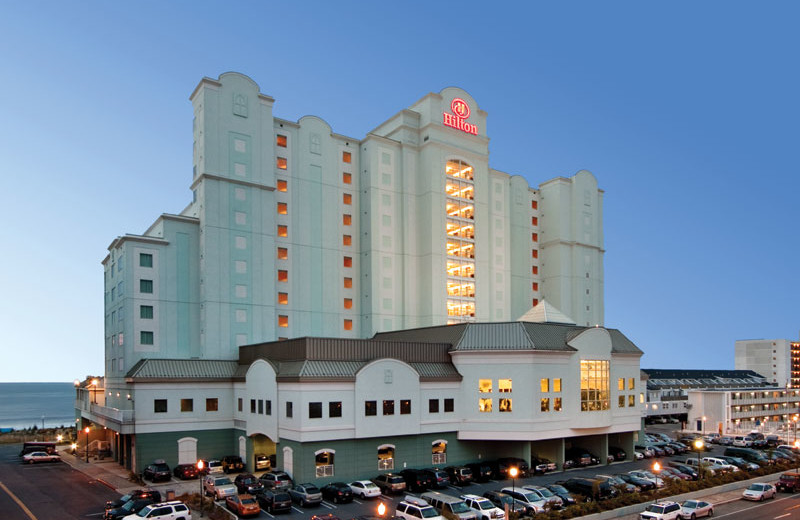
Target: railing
{"points": [[385, 464], [438, 458], [325, 470], [114, 414]]}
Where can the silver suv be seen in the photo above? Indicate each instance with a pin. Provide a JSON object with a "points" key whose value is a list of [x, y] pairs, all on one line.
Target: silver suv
{"points": [[413, 508], [175, 510]]}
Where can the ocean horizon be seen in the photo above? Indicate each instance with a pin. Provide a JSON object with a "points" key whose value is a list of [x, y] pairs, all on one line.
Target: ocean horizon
{"points": [[44, 405]]}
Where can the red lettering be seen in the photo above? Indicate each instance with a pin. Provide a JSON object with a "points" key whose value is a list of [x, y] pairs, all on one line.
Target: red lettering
{"points": [[456, 122]]}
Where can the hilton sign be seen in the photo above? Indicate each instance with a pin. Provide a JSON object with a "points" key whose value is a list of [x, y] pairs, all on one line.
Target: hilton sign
{"points": [[458, 118]]}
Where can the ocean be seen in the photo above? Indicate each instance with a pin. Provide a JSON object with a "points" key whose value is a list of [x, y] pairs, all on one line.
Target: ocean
{"points": [[23, 405]]}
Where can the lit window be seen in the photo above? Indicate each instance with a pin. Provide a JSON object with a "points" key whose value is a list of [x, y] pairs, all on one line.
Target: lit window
{"points": [[334, 409], [283, 231], [545, 405], [535, 237], [347, 240], [281, 141], [348, 324], [535, 302], [594, 385], [348, 283], [557, 385], [485, 386], [485, 404], [504, 405], [405, 406], [388, 407], [347, 219], [283, 298], [621, 401], [283, 321], [283, 253], [347, 198], [632, 400], [535, 269], [348, 261], [534, 204], [621, 384], [347, 157], [504, 385], [347, 178], [544, 385], [282, 163], [535, 221], [283, 275], [631, 383], [535, 286], [282, 185], [283, 208], [534, 253], [557, 404], [348, 303]]}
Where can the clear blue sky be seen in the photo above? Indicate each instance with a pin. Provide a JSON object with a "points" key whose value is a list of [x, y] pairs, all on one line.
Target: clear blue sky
{"points": [[687, 113]]}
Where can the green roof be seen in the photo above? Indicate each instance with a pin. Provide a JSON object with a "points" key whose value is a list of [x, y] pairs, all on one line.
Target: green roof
{"points": [[163, 369]]}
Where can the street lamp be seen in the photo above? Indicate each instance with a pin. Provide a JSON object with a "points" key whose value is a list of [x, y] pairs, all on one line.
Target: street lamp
{"points": [[657, 470], [704, 427], [513, 472], [698, 445], [794, 420], [95, 382], [200, 475], [381, 509], [86, 430]]}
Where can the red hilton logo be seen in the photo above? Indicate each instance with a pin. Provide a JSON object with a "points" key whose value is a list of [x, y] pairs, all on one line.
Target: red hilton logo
{"points": [[458, 118]]}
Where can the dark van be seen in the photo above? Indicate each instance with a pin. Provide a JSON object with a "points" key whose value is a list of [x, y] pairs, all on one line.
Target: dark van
{"points": [[747, 454]]}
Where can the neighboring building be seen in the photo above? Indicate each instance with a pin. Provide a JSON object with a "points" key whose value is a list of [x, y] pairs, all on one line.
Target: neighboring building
{"points": [[349, 408], [766, 408], [777, 359]]}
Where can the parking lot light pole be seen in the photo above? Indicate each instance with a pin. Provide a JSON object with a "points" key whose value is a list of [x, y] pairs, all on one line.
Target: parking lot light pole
{"points": [[200, 478], [698, 444], [87, 443], [513, 472]]}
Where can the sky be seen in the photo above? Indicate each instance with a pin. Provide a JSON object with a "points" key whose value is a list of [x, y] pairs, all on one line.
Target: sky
{"points": [[686, 112]]}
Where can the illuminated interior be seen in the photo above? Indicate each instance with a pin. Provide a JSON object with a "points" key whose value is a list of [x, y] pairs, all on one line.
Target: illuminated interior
{"points": [[460, 242]]}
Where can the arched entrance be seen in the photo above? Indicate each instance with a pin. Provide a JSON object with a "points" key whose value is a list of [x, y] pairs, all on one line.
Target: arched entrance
{"points": [[263, 453]]}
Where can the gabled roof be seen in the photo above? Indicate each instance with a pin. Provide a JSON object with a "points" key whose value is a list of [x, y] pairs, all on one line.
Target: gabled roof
{"points": [[544, 312], [197, 369]]}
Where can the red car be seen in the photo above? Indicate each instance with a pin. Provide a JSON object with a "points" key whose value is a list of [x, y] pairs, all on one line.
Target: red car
{"points": [[185, 471], [243, 505]]}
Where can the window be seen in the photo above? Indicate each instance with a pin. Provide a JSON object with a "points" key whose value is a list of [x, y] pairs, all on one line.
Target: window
{"points": [[534, 221], [283, 208], [314, 410], [281, 140], [335, 409], [504, 385], [556, 404], [433, 406], [146, 337], [282, 185], [324, 463], [535, 286], [252, 406], [405, 406], [283, 298], [348, 283], [621, 401], [385, 458], [145, 286], [347, 219], [439, 452], [370, 408], [534, 269], [159, 406], [282, 163], [347, 178], [212, 404], [388, 407], [544, 385], [146, 312], [347, 199], [260, 407], [485, 404], [557, 385], [348, 261], [187, 405], [283, 275], [535, 237], [545, 404], [348, 324], [348, 303], [283, 253], [534, 253], [283, 231], [239, 404], [449, 404], [485, 386], [283, 320], [347, 157], [145, 260], [289, 409], [632, 400], [534, 204], [594, 385], [621, 384], [347, 240], [504, 405], [631, 383]]}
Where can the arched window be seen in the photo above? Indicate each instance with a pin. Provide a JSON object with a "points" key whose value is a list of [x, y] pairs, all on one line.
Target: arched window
{"points": [[439, 452], [386, 457], [323, 460]]}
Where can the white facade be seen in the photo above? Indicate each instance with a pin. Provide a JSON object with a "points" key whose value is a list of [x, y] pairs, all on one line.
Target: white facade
{"points": [[769, 357]]}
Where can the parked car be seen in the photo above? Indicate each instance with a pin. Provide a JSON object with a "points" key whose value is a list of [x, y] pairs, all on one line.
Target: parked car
{"points": [[365, 489], [580, 456], [619, 484], [529, 498], [40, 456], [481, 471], [542, 465], [276, 480], [504, 463], [562, 493], [552, 500], [413, 508], [306, 494], [759, 491], [263, 461], [185, 471], [248, 483], [390, 483], [130, 507], [275, 501], [789, 482], [674, 473], [448, 506], [156, 471], [692, 509], [232, 464], [591, 489], [617, 453], [337, 492], [725, 440], [218, 486], [685, 468], [243, 505], [641, 483], [437, 477], [661, 511], [212, 466], [740, 463], [483, 507], [136, 493], [502, 500], [416, 479], [459, 475], [659, 482], [174, 510]]}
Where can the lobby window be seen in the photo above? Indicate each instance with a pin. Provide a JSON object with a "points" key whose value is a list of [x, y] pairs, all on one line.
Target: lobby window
{"points": [[433, 406], [370, 408], [283, 231], [146, 337], [283, 275], [283, 253], [267, 407], [557, 404], [485, 404], [283, 320], [348, 283], [335, 409], [449, 405], [347, 219], [283, 298], [594, 385], [187, 405], [159, 406], [146, 312], [145, 260], [504, 405], [283, 208], [289, 409], [348, 303], [504, 385], [145, 286], [252, 406], [348, 261], [347, 199], [557, 384], [282, 163], [347, 157], [485, 386], [348, 324], [545, 404], [282, 185], [347, 240], [405, 406], [347, 178], [544, 385], [388, 407], [280, 140], [314, 410], [212, 404]]}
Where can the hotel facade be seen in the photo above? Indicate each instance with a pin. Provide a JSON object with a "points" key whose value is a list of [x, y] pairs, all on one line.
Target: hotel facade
{"points": [[296, 231]]}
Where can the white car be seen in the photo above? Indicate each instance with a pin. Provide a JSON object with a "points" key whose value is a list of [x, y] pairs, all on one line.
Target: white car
{"points": [[638, 455], [40, 456], [483, 507], [364, 489], [759, 491], [692, 509], [175, 510], [661, 511]]}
